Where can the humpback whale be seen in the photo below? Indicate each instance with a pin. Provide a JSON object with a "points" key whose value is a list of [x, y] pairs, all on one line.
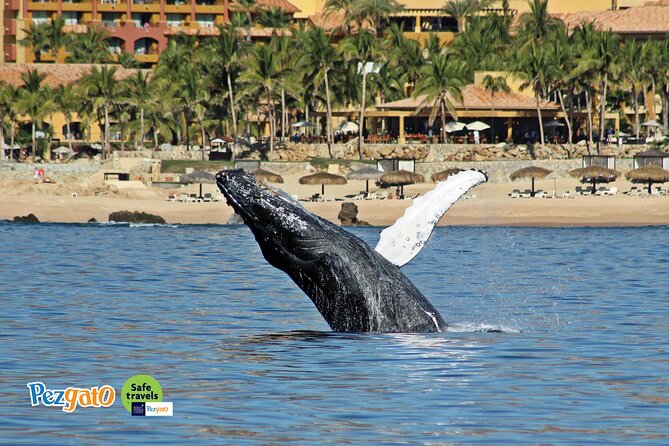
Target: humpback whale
{"points": [[354, 287]]}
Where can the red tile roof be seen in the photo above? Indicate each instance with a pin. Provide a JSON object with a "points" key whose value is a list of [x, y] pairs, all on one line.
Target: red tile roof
{"points": [[638, 20], [57, 74], [476, 97]]}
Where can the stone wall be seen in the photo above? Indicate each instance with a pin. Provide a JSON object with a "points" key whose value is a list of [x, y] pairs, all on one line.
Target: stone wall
{"points": [[76, 171]]}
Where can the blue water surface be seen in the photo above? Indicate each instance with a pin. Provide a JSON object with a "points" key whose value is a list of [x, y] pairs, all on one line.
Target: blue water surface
{"points": [[558, 336]]}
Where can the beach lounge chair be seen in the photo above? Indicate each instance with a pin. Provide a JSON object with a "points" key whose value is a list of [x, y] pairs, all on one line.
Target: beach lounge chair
{"points": [[172, 197], [601, 192], [515, 193], [184, 198], [193, 198], [207, 198], [541, 194]]}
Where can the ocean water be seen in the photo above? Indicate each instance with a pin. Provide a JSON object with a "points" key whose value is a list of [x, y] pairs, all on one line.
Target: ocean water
{"points": [[558, 336]]}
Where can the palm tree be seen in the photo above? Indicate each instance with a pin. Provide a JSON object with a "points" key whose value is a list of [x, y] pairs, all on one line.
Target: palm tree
{"points": [[537, 24], [37, 39], [375, 12], [348, 7], [461, 10], [585, 73], [33, 102], [632, 66], [441, 83], [226, 54], [103, 90], [494, 85], [192, 93], [140, 94], [663, 65], [67, 101], [89, 47], [406, 55], [321, 55], [562, 60], [273, 18], [247, 7], [651, 55], [57, 39], [534, 68], [9, 112], [362, 50], [262, 78]]}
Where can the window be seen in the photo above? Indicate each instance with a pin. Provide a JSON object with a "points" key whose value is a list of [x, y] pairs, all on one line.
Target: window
{"points": [[205, 20], [110, 19], [40, 17], [173, 19], [71, 18]]}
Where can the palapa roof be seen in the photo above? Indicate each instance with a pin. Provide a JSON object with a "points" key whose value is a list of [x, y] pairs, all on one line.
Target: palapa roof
{"points": [[648, 173], [652, 153], [57, 74], [322, 178], [364, 173], [648, 19], [531, 172], [401, 178], [283, 5], [475, 97]]}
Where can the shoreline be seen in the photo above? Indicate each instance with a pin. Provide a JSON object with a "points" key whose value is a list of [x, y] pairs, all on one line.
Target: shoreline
{"points": [[486, 205]]}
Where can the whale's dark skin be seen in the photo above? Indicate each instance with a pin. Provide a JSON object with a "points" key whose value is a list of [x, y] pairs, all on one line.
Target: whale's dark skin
{"points": [[353, 287]]}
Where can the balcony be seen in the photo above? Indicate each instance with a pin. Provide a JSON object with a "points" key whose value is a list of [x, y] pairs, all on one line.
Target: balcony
{"points": [[77, 5], [152, 6], [10, 53], [12, 5], [10, 27], [112, 6], [42, 5]]}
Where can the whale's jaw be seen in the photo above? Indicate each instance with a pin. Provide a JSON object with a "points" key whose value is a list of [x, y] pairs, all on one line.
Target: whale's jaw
{"points": [[354, 288]]}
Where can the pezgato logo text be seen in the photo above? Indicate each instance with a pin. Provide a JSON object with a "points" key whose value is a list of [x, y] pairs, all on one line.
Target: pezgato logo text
{"points": [[71, 397]]}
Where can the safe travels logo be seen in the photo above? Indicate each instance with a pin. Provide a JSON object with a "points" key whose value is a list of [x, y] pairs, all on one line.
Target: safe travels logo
{"points": [[141, 395]]}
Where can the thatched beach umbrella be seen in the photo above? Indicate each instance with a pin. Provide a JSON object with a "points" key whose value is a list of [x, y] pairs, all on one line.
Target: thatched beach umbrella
{"points": [[594, 174], [198, 176], [323, 178], [441, 176], [648, 174], [266, 175], [366, 174], [401, 178], [532, 172]]}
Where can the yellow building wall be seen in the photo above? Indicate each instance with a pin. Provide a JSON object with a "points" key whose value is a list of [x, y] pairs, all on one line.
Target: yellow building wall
{"points": [[310, 7], [57, 120]]}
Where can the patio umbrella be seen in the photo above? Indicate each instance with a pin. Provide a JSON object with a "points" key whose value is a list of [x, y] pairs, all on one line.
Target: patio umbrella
{"points": [[648, 174], [554, 124], [531, 172], [365, 173], [441, 176], [299, 124], [62, 150], [217, 141], [651, 123], [323, 178], [401, 178], [198, 176], [266, 175], [477, 125], [347, 126], [594, 175], [454, 126]]}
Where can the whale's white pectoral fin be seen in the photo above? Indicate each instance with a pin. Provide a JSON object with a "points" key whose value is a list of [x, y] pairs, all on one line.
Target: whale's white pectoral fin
{"points": [[401, 242]]}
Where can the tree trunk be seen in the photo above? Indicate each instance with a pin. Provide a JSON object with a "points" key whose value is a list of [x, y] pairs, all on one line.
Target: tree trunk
{"points": [[232, 108], [155, 138], [328, 119], [34, 141], [665, 112], [588, 105], [541, 124], [203, 139], [270, 103], [637, 123], [141, 127], [602, 109], [566, 120], [69, 131], [106, 146], [361, 124], [2, 144], [284, 118], [443, 123]]}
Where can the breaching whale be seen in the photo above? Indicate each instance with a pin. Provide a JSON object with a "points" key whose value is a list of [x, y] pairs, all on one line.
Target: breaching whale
{"points": [[354, 287]]}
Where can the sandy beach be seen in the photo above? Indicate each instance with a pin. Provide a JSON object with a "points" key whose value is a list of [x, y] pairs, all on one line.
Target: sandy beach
{"points": [[489, 204]]}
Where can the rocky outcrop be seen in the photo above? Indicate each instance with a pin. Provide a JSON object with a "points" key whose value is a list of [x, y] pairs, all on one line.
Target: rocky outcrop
{"points": [[30, 218], [348, 215], [135, 217]]}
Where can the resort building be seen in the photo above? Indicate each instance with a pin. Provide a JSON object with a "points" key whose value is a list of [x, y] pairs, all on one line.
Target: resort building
{"points": [[138, 27]]}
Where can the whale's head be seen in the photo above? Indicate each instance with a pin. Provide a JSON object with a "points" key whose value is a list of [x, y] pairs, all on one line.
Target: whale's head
{"points": [[283, 228]]}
